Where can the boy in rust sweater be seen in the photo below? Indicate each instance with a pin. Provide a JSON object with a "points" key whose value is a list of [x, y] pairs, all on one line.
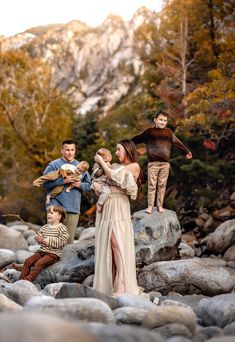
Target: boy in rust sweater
{"points": [[158, 141]]}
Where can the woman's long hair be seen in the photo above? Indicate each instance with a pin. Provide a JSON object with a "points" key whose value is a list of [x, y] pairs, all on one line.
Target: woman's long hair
{"points": [[132, 155]]}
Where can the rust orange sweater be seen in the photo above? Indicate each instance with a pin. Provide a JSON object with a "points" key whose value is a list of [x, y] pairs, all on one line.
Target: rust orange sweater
{"points": [[158, 142]]}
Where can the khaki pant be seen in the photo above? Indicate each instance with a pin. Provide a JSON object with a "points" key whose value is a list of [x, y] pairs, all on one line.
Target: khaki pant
{"points": [[36, 263], [158, 173], [71, 222]]}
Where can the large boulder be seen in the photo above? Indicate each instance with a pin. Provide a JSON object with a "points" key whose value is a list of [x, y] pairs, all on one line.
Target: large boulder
{"points": [[74, 290], [20, 292], [201, 276], [157, 236], [75, 265], [81, 309], [29, 326], [11, 239], [222, 238]]}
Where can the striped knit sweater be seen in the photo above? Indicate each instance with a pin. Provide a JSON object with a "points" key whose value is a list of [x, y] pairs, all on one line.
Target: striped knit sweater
{"points": [[158, 142], [55, 237]]}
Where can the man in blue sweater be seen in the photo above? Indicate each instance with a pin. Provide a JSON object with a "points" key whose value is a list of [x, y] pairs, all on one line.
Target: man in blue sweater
{"points": [[70, 201]]}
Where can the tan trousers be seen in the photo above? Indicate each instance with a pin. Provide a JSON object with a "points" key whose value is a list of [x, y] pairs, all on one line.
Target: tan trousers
{"points": [[158, 173], [71, 222]]}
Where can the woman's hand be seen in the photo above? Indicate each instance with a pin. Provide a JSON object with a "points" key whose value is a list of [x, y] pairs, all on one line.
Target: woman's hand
{"points": [[98, 158]]}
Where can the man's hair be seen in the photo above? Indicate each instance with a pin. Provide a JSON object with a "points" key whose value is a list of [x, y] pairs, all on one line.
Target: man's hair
{"points": [[160, 112], [68, 142], [59, 210]]}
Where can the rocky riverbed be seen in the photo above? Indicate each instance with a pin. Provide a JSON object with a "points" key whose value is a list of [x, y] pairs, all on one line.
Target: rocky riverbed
{"points": [[189, 287]]}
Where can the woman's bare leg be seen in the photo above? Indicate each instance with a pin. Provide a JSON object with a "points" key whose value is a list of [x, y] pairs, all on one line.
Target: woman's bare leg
{"points": [[119, 279]]}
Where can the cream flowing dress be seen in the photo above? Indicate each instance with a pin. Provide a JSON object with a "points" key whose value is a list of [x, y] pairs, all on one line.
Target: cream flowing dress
{"points": [[116, 217]]}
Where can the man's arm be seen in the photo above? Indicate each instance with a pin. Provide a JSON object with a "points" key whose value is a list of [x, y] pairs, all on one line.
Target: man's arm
{"points": [[49, 185], [85, 184], [53, 183]]}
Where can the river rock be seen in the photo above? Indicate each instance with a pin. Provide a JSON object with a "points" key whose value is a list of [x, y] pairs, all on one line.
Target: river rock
{"points": [[157, 235], [218, 310], [173, 329], [6, 257], [162, 315], [74, 290], [129, 315], [20, 291], [75, 265], [22, 255], [229, 255], [189, 276], [119, 333], [222, 238], [7, 304], [29, 326], [11, 239], [88, 309]]}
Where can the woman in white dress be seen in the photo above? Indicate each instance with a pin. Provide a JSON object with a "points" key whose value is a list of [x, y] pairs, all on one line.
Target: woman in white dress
{"points": [[115, 268]]}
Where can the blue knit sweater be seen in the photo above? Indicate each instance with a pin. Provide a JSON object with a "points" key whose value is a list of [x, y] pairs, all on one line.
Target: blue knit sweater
{"points": [[70, 201]]}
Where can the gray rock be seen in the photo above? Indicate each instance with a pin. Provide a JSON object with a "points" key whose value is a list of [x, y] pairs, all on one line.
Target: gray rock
{"points": [[174, 302], [4, 278], [218, 310], [7, 304], [88, 309], [129, 315], [20, 227], [31, 241], [87, 234], [20, 292], [140, 302], [157, 236], [6, 257], [119, 333], [174, 329], [38, 300], [189, 276], [53, 289], [12, 275], [229, 255], [22, 255], [209, 332], [74, 290], [221, 339], [33, 248], [222, 238], [229, 329], [88, 281], [186, 251], [179, 339], [160, 316], [28, 233], [29, 326], [11, 239]]}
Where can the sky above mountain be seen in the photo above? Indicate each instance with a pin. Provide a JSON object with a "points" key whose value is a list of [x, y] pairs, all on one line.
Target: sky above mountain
{"points": [[19, 15]]}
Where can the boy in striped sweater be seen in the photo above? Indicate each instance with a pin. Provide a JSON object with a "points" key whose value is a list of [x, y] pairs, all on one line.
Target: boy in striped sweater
{"points": [[52, 238]]}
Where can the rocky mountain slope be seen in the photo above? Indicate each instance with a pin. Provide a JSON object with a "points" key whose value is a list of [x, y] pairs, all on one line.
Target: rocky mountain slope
{"points": [[95, 66]]}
